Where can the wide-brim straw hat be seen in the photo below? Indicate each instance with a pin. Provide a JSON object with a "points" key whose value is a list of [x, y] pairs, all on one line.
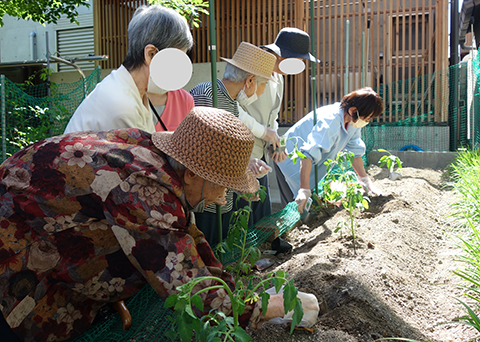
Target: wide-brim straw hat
{"points": [[253, 60], [215, 145], [292, 42]]}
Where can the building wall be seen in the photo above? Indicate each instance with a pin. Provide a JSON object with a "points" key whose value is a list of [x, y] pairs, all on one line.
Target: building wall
{"points": [[15, 41]]}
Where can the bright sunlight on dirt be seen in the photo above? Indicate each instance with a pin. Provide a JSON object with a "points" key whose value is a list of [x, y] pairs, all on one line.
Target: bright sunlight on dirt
{"points": [[400, 283]]}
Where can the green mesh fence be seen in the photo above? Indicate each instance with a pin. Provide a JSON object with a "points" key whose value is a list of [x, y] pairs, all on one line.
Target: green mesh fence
{"points": [[269, 226], [435, 112], [33, 112], [150, 321]]}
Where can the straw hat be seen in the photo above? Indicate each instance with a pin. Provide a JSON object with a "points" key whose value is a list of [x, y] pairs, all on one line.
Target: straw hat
{"points": [[253, 60], [215, 145], [292, 42]]}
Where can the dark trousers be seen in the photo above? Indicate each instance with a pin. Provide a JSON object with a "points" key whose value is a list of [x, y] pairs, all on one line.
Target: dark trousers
{"points": [[207, 223], [286, 194], [6, 333], [259, 209]]}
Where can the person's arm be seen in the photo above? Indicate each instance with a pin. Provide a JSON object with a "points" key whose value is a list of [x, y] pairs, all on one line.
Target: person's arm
{"points": [[359, 167], [258, 130], [304, 192]]}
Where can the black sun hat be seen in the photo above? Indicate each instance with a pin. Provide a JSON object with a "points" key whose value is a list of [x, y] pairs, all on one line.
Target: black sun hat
{"points": [[292, 42], [215, 145]]}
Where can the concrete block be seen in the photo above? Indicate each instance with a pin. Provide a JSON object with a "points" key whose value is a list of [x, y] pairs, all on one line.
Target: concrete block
{"points": [[424, 159]]}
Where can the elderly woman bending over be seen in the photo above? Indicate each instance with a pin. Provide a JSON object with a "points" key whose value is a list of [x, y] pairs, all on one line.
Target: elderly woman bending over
{"points": [[339, 127]]}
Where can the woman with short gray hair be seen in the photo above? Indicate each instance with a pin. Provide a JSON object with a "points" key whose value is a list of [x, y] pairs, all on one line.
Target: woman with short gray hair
{"points": [[121, 100]]}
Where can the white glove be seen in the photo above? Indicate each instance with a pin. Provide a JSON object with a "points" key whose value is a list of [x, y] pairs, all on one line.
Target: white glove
{"points": [[301, 199], [368, 186], [310, 310], [272, 137], [258, 167]]}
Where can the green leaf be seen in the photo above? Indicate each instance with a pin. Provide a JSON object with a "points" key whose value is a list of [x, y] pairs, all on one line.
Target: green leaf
{"points": [[297, 314], [301, 155], [197, 301], [240, 305], [265, 297], [180, 305], [399, 163], [382, 150], [365, 203], [172, 335], [289, 296], [241, 335], [184, 328], [170, 301]]}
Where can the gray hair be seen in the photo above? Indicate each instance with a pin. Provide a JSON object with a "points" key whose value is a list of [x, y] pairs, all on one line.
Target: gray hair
{"points": [[176, 165], [157, 25], [237, 75]]}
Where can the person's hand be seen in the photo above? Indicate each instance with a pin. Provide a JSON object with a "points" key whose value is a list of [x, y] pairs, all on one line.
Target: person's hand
{"points": [[310, 310], [278, 157], [368, 186], [258, 167], [301, 199], [275, 307], [272, 137]]}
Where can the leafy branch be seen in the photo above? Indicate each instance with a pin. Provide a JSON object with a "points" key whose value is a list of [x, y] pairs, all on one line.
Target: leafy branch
{"points": [[342, 187], [216, 325]]}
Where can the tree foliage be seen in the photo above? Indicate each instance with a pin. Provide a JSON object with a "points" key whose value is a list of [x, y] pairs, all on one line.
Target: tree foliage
{"points": [[189, 9], [41, 11]]}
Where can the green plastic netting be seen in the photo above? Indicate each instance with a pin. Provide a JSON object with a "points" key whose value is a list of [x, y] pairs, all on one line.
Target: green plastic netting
{"points": [[149, 321], [28, 114], [433, 112]]}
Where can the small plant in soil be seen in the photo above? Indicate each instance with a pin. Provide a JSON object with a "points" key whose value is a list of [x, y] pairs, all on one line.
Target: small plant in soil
{"points": [[390, 161], [341, 187], [215, 325]]}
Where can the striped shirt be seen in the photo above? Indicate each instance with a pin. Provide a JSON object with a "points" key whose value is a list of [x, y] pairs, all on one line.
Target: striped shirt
{"points": [[202, 95]]}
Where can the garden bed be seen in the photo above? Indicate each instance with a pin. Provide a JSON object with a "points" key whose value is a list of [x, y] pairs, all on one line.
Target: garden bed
{"points": [[400, 283]]}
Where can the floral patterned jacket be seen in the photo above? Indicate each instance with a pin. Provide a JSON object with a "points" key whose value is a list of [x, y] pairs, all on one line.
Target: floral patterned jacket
{"points": [[89, 218]]}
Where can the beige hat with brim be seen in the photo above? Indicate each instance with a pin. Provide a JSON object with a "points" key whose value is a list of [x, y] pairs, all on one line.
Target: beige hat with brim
{"points": [[215, 145], [253, 60]]}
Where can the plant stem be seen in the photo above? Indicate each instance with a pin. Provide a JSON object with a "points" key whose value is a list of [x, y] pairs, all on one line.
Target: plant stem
{"points": [[352, 228], [225, 287]]}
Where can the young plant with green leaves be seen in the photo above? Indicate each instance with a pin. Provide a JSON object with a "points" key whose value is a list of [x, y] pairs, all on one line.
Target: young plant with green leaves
{"points": [[389, 160], [249, 288], [341, 187]]}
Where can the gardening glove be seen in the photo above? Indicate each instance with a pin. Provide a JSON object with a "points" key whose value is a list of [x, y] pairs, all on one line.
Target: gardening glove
{"points": [[302, 198], [309, 305], [310, 310], [368, 186], [258, 167], [272, 137]]}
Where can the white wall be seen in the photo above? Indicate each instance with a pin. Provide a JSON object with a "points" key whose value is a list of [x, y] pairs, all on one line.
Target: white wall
{"points": [[15, 42]]}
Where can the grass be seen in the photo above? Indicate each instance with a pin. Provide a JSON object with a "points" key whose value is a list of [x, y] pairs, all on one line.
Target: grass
{"points": [[465, 176], [465, 180]]}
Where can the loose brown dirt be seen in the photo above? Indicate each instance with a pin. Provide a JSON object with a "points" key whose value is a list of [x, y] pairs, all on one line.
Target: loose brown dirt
{"points": [[399, 284]]}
